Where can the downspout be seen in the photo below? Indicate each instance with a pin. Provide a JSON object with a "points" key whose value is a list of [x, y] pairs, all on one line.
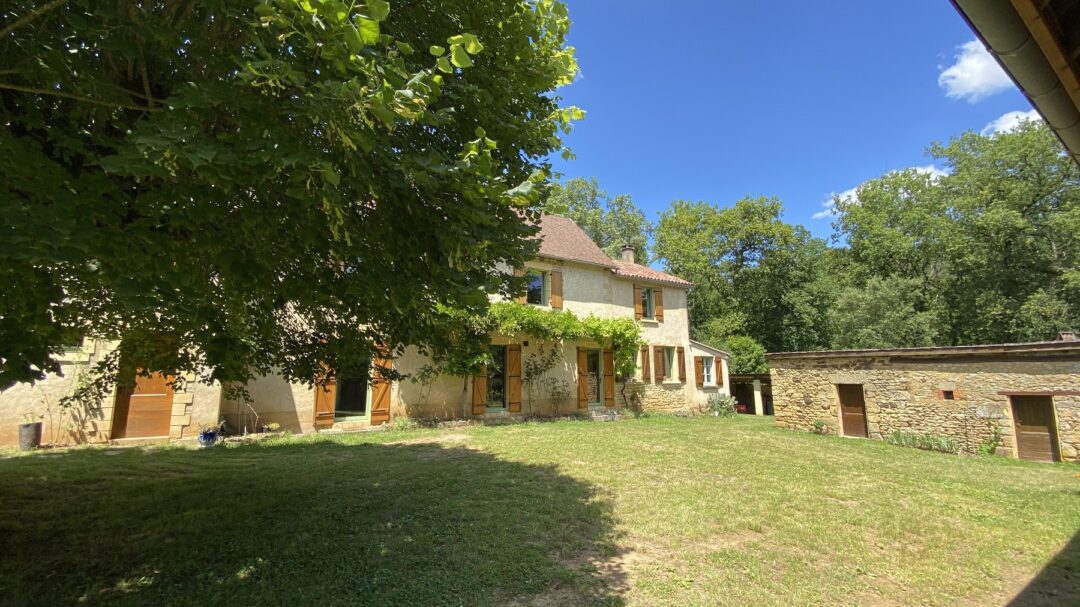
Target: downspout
{"points": [[1001, 30]]}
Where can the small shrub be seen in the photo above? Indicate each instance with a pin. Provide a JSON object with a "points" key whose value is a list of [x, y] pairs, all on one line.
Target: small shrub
{"points": [[927, 442], [821, 426], [990, 445], [402, 423], [722, 405]]}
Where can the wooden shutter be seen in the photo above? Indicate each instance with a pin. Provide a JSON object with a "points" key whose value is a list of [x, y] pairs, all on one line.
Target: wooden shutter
{"points": [[521, 298], [380, 392], [637, 302], [699, 371], [661, 372], [645, 363], [325, 402], [513, 377], [658, 303], [479, 392], [555, 300], [582, 378], [682, 363], [609, 378], [719, 372]]}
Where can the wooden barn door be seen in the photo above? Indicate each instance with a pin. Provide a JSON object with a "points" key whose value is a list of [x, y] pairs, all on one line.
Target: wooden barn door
{"points": [[852, 409], [1036, 432], [144, 410]]}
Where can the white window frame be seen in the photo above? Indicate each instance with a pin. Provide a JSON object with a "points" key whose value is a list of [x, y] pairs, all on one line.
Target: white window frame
{"points": [[708, 370]]}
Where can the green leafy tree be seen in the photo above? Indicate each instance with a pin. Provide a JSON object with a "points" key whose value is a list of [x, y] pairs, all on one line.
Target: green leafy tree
{"points": [[883, 313], [747, 355], [612, 222], [246, 186], [991, 250], [749, 268]]}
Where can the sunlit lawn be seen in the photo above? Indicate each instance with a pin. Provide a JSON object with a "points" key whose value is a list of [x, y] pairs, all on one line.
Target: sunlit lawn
{"points": [[655, 511]]}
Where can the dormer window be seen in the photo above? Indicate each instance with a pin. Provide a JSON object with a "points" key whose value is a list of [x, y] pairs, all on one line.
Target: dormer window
{"points": [[537, 290]]}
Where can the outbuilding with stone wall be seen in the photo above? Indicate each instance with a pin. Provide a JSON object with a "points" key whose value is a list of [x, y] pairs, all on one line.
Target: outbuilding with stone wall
{"points": [[1024, 397]]}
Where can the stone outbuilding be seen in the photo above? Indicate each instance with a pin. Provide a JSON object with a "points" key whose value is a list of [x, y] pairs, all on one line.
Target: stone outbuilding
{"points": [[1024, 396]]}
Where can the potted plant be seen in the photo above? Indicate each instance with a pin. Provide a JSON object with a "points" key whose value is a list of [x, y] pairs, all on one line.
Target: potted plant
{"points": [[208, 437], [30, 431]]}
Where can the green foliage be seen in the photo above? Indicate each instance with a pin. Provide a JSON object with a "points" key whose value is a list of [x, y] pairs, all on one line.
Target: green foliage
{"points": [[752, 273], [927, 442], [821, 426], [885, 313], [239, 187], [747, 355], [992, 442], [988, 253], [611, 222], [468, 352], [722, 405], [402, 423]]}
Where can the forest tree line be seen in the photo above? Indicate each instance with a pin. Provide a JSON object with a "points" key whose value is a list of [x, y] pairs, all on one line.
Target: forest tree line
{"points": [[987, 253]]}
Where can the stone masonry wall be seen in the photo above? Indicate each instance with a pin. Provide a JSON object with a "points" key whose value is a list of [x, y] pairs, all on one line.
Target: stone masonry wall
{"points": [[905, 394]]}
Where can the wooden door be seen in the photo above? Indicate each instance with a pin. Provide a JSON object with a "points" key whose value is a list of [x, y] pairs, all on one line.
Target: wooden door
{"points": [[380, 392], [1036, 432], [852, 409], [144, 410]]}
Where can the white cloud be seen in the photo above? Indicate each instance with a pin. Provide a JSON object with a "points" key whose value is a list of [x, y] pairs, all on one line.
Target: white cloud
{"points": [[1009, 121], [975, 75], [828, 207]]}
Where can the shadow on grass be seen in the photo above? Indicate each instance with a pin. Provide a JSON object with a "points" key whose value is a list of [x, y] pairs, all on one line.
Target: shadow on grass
{"points": [[302, 523], [1057, 584]]}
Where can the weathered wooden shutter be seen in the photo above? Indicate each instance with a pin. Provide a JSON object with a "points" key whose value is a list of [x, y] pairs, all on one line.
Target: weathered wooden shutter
{"points": [[325, 403], [380, 392], [661, 371], [637, 302], [582, 378], [609, 378], [513, 377], [699, 371], [658, 303], [555, 300], [682, 363], [479, 392], [645, 363], [719, 371]]}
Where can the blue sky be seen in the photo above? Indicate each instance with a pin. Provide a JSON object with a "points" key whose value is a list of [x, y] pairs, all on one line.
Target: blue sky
{"points": [[714, 100]]}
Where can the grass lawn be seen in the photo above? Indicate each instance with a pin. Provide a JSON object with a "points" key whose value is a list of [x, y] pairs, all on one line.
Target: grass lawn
{"points": [[655, 511]]}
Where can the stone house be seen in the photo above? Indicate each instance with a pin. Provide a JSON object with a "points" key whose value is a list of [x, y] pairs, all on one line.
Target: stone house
{"points": [[1026, 394], [570, 273]]}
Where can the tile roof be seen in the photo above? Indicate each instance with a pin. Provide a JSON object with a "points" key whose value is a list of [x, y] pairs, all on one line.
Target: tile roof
{"points": [[561, 238], [633, 270]]}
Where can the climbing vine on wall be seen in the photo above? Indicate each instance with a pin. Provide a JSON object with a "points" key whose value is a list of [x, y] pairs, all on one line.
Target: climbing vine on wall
{"points": [[469, 352]]}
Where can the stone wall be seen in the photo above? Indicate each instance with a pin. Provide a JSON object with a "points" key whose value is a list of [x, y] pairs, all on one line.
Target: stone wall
{"points": [[907, 394], [194, 405]]}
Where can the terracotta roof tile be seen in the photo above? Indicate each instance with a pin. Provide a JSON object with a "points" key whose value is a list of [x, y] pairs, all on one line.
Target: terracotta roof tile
{"points": [[633, 270], [561, 238]]}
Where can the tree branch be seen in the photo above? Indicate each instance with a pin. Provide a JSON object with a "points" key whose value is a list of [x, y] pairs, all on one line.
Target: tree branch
{"points": [[34, 91], [34, 14]]}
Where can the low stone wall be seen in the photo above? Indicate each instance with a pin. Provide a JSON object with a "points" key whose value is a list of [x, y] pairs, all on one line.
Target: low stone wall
{"points": [[907, 395]]}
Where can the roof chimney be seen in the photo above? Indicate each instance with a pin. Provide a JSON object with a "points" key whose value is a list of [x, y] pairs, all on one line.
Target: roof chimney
{"points": [[1067, 336], [628, 253]]}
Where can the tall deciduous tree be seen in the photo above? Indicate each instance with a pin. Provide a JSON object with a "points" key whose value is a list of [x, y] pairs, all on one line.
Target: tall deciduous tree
{"points": [[752, 272], [612, 222], [991, 250], [240, 186]]}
